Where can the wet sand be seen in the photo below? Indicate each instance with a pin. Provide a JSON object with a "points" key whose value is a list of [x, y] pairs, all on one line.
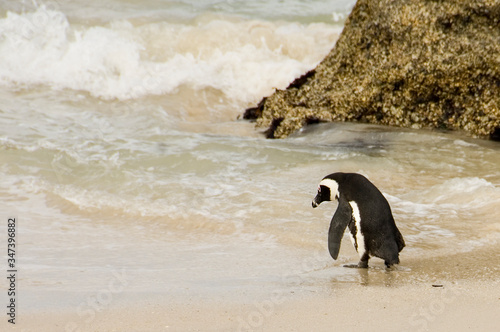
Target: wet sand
{"points": [[459, 293], [463, 306]]}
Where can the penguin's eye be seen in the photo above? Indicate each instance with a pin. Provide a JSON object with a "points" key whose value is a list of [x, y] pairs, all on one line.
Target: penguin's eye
{"points": [[319, 189]]}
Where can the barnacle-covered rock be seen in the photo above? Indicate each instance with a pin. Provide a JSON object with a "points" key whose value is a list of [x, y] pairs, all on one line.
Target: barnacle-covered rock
{"points": [[402, 63]]}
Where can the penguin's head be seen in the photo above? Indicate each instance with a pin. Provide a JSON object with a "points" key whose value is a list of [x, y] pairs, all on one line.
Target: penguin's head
{"points": [[328, 190]]}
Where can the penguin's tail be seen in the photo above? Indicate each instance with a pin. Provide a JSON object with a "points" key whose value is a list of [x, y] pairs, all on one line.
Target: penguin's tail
{"points": [[399, 240]]}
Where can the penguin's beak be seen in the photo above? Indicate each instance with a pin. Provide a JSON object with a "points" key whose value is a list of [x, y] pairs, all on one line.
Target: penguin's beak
{"points": [[316, 201]]}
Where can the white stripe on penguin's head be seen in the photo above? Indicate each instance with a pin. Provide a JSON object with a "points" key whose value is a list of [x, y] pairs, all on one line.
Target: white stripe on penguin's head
{"points": [[333, 186]]}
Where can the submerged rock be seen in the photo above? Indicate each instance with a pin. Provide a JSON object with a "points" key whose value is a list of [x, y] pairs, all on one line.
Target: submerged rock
{"points": [[405, 63]]}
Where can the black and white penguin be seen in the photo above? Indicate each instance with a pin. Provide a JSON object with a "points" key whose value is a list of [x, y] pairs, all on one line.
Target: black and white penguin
{"points": [[366, 212]]}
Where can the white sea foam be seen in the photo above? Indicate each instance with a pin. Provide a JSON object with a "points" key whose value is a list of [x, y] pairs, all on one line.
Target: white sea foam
{"points": [[465, 192], [244, 59], [453, 199]]}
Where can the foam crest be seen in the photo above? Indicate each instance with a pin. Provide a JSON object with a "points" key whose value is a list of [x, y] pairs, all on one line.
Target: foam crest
{"points": [[244, 59]]}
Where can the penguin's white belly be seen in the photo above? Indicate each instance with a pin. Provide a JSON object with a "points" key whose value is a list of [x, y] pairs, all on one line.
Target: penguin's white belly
{"points": [[360, 240]]}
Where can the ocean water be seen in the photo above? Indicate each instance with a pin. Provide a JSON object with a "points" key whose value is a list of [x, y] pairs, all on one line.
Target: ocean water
{"points": [[124, 157]]}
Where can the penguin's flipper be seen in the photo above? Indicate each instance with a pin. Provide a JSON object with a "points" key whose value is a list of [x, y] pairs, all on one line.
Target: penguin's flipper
{"points": [[339, 223]]}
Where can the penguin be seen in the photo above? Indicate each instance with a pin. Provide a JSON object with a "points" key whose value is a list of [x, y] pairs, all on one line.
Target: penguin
{"points": [[362, 208]]}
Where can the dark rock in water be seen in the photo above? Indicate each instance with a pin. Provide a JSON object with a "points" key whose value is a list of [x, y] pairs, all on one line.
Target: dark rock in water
{"points": [[495, 135], [253, 113], [272, 128], [405, 63]]}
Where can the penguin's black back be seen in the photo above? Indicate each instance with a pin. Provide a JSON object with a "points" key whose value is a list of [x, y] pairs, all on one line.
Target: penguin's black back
{"points": [[382, 237]]}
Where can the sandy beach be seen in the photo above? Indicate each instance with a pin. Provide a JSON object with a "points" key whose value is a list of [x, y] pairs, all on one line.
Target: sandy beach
{"points": [[462, 306], [435, 294]]}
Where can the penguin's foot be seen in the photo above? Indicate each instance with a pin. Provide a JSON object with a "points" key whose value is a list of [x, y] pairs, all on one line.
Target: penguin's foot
{"points": [[363, 262], [360, 265], [391, 263], [392, 267]]}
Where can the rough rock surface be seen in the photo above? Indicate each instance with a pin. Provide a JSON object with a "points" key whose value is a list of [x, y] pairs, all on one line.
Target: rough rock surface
{"points": [[407, 63]]}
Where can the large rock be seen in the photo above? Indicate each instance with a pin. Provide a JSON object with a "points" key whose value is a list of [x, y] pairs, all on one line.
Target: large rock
{"points": [[402, 63]]}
